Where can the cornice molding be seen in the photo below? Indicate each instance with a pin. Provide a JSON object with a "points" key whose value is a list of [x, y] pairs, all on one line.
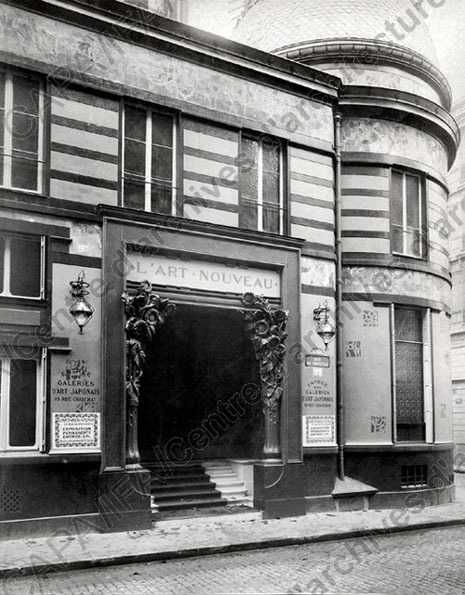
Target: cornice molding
{"points": [[170, 224], [370, 52], [141, 27], [403, 263], [399, 106]]}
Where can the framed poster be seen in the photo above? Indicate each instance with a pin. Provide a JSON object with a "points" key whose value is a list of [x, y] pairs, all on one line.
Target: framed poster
{"points": [[76, 432], [319, 430]]}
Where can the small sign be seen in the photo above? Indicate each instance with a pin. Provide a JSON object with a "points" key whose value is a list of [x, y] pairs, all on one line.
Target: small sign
{"points": [[76, 431], [317, 361], [319, 430]]}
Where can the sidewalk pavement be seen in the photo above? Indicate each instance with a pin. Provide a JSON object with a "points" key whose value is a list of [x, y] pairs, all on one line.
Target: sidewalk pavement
{"points": [[182, 538]]}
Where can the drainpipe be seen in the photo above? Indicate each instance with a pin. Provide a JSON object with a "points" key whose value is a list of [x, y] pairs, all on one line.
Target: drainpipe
{"points": [[339, 337]]}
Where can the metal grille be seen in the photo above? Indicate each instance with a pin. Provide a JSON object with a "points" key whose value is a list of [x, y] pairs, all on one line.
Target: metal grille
{"points": [[414, 476], [11, 501]]}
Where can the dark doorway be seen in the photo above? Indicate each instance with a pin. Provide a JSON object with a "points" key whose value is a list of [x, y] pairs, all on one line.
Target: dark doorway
{"points": [[201, 358]]}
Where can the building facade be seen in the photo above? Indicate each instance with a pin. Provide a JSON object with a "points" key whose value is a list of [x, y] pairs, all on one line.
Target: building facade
{"points": [[211, 214], [451, 60], [457, 260]]}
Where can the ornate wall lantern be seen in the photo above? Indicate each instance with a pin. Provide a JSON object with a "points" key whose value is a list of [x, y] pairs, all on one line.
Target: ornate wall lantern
{"points": [[324, 329], [80, 309]]}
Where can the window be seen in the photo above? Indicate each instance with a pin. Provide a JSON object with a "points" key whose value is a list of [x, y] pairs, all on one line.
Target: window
{"points": [[414, 476], [408, 215], [21, 404], [261, 186], [21, 133], [149, 160], [409, 374], [22, 266]]}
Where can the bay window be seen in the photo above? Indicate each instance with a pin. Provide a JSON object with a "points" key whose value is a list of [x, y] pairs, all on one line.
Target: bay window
{"points": [[149, 160], [21, 132], [261, 186]]}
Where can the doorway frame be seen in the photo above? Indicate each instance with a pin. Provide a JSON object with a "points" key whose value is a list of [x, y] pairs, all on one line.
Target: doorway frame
{"points": [[193, 241]]}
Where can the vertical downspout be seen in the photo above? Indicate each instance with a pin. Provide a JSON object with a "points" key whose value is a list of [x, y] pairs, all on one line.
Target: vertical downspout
{"points": [[339, 337]]}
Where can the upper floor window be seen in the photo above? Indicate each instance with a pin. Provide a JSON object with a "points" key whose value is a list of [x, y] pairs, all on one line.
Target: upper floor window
{"points": [[148, 160], [409, 374], [408, 215], [21, 266], [261, 186], [21, 404], [21, 133]]}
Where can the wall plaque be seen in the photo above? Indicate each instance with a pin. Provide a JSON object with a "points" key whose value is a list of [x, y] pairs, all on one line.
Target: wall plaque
{"points": [[319, 430], [203, 275], [317, 361], [76, 431]]}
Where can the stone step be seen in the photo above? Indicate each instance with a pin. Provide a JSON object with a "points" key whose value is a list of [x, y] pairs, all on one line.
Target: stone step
{"points": [[186, 504], [175, 471], [233, 482], [187, 495], [228, 491], [176, 486], [162, 480], [224, 474]]}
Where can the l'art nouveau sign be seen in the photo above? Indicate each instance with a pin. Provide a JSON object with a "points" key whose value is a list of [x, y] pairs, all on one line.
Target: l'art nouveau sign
{"points": [[203, 275]]}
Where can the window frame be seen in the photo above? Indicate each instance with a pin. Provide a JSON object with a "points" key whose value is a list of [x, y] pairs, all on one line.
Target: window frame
{"points": [[7, 156], [8, 237], [427, 374], [148, 179], [41, 404], [282, 206], [422, 210]]}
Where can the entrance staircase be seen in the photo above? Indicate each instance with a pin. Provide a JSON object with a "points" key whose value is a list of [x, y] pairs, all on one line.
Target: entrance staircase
{"points": [[196, 485], [227, 482], [178, 488]]}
